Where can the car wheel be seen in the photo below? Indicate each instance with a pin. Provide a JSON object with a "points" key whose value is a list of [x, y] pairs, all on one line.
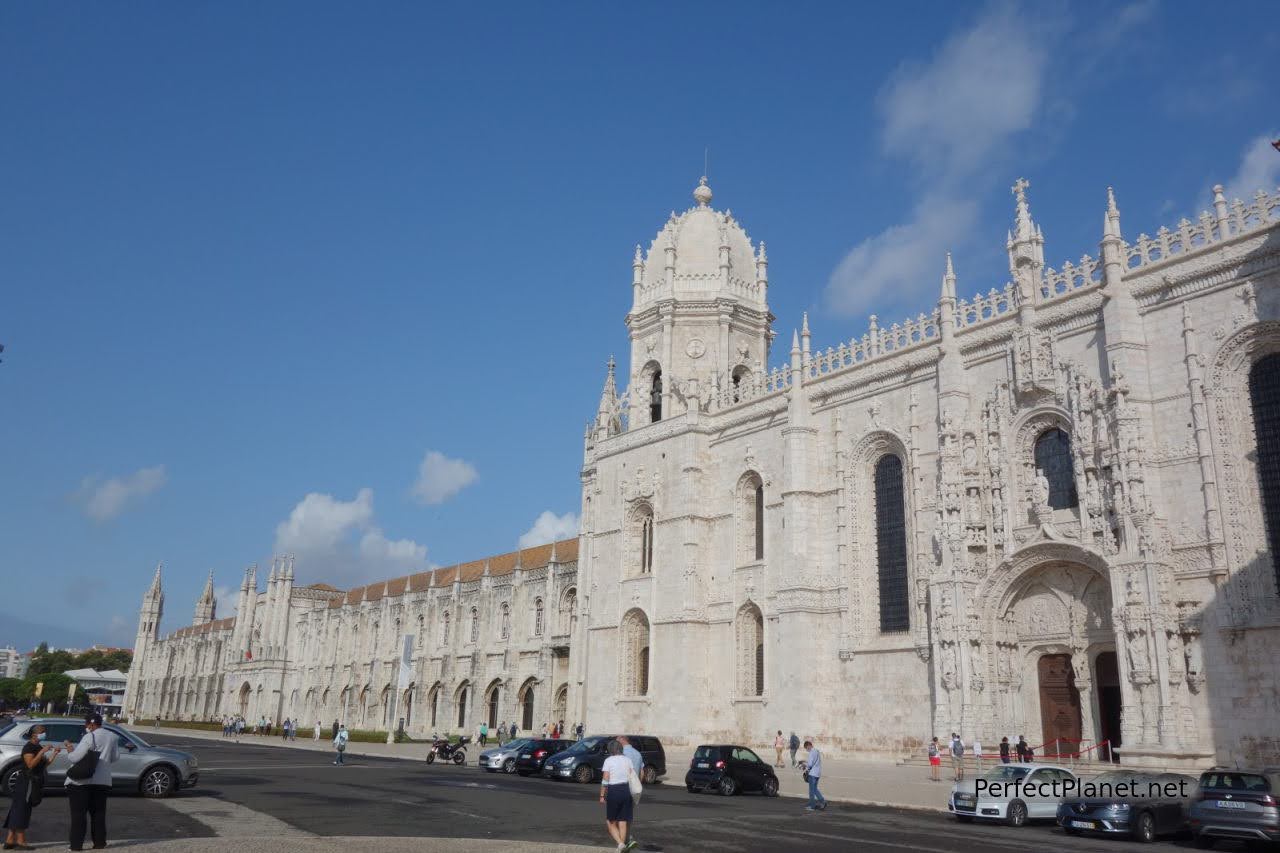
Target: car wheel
{"points": [[1144, 829], [769, 788], [1016, 814], [727, 787], [509, 766], [964, 818], [584, 774], [158, 782], [10, 780], [690, 788], [648, 775]]}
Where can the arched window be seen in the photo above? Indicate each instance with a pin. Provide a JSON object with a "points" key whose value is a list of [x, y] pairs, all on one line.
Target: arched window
{"points": [[444, 629], [492, 705], [655, 397], [422, 629], [537, 617], [526, 706], [1053, 459], [568, 610], [750, 631], [475, 625], [750, 519], [1264, 395], [891, 545], [642, 538], [506, 620], [433, 700], [462, 706], [635, 654]]}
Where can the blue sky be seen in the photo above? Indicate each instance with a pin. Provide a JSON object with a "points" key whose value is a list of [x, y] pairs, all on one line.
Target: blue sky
{"points": [[341, 279]]}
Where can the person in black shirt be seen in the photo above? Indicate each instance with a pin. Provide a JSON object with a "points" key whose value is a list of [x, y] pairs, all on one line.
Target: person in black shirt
{"points": [[29, 788], [1004, 750]]}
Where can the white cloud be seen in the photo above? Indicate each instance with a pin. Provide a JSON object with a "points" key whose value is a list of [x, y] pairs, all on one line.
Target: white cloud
{"points": [[103, 500], [1259, 169], [338, 542], [983, 85], [227, 600], [906, 260], [440, 478], [550, 528]]}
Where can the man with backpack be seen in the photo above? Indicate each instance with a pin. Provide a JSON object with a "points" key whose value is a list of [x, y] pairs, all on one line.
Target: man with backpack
{"points": [[794, 745], [340, 744], [957, 756]]}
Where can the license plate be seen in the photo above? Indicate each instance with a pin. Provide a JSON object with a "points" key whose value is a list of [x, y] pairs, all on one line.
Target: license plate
{"points": [[1231, 804], [526, 756], [1082, 824], [703, 764]]}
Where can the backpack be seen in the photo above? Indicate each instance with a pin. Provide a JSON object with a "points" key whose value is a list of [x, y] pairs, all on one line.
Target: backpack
{"points": [[957, 747], [795, 742], [933, 750]]}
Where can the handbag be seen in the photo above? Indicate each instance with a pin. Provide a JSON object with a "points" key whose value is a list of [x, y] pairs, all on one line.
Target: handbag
{"points": [[85, 767], [805, 776], [633, 782]]}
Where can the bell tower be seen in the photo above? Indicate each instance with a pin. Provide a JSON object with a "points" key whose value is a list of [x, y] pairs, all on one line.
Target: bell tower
{"points": [[699, 308]]}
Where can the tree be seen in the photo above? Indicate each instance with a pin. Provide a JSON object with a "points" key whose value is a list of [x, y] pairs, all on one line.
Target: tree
{"points": [[55, 690], [12, 693], [56, 660]]}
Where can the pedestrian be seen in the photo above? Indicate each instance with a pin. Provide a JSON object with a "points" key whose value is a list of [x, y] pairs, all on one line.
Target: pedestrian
{"points": [[812, 775], [335, 727], [957, 756], [484, 733], [794, 744], [555, 731], [544, 731], [615, 793], [632, 754], [779, 744], [28, 788], [1022, 748], [502, 727], [316, 736], [935, 761], [284, 729], [579, 731], [271, 726], [99, 749], [1004, 750], [560, 729], [977, 756], [513, 729], [340, 743]]}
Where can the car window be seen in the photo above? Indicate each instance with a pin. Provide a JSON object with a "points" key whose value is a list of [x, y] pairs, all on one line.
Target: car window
{"points": [[1005, 774], [1234, 781], [744, 754], [706, 752], [58, 732]]}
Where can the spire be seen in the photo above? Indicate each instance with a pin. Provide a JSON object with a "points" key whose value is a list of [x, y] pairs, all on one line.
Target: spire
{"points": [[804, 335], [949, 282], [1111, 223], [156, 587], [609, 395], [1026, 255], [206, 605], [1023, 226]]}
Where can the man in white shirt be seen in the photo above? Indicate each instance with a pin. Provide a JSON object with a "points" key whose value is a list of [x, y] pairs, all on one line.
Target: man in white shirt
{"points": [[813, 769], [340, 744], [977, 755], [89, 795]]}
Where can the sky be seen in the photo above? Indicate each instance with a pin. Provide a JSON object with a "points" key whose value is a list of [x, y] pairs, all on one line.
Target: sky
{"points": [[341, 279]]}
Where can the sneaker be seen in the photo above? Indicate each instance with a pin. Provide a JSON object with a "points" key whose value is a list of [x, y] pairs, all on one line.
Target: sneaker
{"points": [[810, 808], [631, 845]]}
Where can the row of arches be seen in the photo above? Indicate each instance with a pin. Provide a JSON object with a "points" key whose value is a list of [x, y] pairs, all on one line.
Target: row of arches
{"points": [[567, 616]]}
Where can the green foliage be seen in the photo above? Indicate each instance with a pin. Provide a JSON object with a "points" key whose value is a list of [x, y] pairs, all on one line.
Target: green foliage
{"points": [[142, 725], [44, 660], [12, 691], [56, 686]]}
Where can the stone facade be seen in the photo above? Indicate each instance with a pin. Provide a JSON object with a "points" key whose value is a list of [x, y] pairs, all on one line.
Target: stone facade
{"points": [[1036, 511], [1061, 470], [441, 650]]}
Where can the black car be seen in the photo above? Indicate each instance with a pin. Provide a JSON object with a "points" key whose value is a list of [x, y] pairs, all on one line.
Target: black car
{"points": [[535, 753], [583, 761], [729, 769], [1126, 802]]}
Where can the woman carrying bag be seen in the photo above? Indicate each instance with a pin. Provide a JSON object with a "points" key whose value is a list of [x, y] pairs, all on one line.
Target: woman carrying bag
{"points": [[619, 790], [29, 789], [89, 780]]}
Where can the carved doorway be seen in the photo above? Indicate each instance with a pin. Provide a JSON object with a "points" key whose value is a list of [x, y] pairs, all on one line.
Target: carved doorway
{"points": [[1060, 720], [1107, 678]]}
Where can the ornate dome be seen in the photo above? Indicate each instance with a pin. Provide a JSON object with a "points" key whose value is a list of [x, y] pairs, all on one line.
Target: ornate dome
{"points": [[702, 252]]}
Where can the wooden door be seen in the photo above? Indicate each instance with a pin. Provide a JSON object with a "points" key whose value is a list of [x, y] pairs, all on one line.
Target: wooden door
{"points": [[1059, 705]]}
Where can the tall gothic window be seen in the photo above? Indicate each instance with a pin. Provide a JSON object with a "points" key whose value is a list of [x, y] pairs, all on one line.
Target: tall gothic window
{"points": [[642, 538], [1264, 395], [655, 397], [739, 374], [635, 654], [750, 515], [1053, 458], [444, 629], [538, 612], [759, 520], [891, 545], [506, 620], [750, 630], [475, 625]]}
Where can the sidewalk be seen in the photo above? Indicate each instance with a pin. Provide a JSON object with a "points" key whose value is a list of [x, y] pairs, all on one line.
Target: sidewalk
{"points": [[875, 783]]}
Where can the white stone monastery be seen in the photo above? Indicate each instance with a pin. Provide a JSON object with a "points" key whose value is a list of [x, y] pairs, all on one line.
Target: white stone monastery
{"points": [[1050, 509]]}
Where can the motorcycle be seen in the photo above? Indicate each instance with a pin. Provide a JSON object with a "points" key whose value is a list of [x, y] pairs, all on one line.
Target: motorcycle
{"points": [[446, 751]]}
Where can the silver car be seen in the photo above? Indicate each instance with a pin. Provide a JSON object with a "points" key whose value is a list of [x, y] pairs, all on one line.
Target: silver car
{"points": [[503, 757], [1013, 793], [152, 771]]}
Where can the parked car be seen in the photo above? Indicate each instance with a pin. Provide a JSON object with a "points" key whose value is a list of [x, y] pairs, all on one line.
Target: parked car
{"points": [[534, 755], [1013, 793], [728, 770], [1126, 802], [583, 761], [1236, 804], [153, 771], [502, 757]]}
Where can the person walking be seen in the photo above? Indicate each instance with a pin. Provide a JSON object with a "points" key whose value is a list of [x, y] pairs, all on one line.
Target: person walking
{"points": [[632, 754], [340, 744], [502, 731], [579, 731], [794, 744], [544, 731], [88, 796], [935, 760], [484, 733], [316, 736], [957, 756], [1022, 748], [335, 728], [284, 729], [813, 775], [977, 756], [615, 793], [1004, 750], [779, 744], [28, 788]]}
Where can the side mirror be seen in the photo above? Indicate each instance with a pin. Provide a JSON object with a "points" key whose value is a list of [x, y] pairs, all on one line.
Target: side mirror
{"points": [[130, 745]]}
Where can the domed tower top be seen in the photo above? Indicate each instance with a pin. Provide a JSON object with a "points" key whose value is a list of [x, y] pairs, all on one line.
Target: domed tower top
{"points": [[702, 193]]}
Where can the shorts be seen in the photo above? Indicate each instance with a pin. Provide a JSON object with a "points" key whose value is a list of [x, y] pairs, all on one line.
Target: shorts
{"points": [[618, 804], [957, 761], [935, 760]]}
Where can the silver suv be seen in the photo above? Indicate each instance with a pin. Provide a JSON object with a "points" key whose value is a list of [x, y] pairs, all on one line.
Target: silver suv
{"points": [[153, 771], [1238, 805]]}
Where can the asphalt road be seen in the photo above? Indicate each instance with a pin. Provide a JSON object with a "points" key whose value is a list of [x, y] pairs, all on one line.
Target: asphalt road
{"points": [[246, 790]]}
